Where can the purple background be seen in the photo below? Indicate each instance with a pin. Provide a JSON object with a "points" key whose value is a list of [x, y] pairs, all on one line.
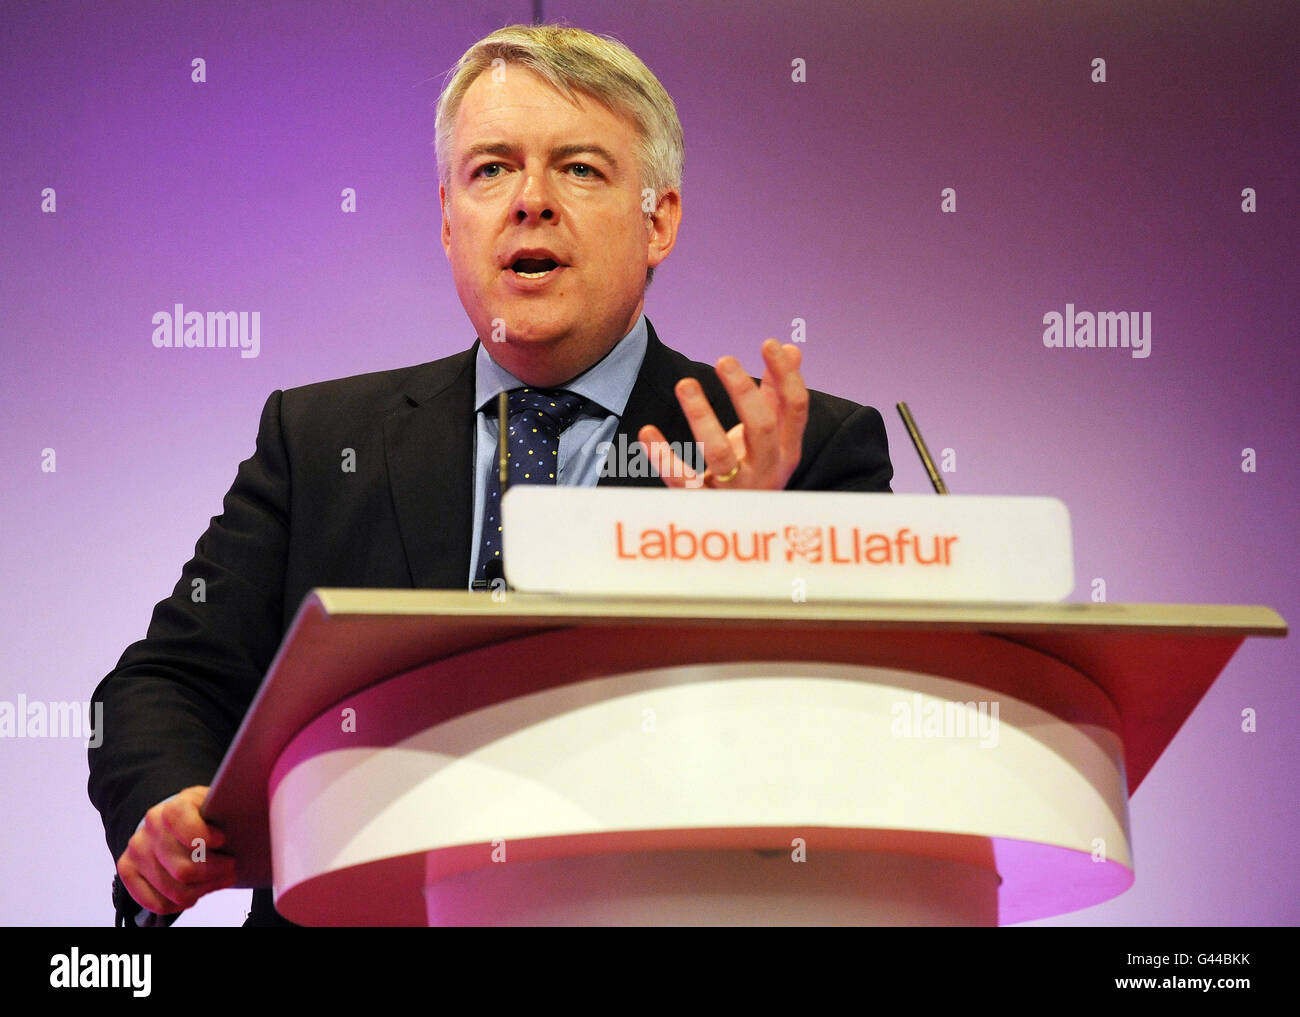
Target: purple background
{"points": [[816, 200]]}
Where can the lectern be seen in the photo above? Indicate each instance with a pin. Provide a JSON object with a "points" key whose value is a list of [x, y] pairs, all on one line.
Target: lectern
{"points": [[439, 757]]}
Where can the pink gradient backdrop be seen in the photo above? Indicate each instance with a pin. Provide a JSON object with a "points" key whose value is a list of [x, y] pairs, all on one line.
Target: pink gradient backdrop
{"points": [[816, 200]]}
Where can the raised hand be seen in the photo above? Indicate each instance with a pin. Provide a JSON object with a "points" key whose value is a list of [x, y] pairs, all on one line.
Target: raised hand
{"points": [[759, 453]]}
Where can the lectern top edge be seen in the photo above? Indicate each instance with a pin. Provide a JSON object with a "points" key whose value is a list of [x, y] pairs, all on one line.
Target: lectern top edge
{"points": [[1187, 619]]}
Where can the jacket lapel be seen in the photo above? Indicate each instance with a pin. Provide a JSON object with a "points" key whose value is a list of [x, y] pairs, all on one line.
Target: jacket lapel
{"points": [[429, 448]]}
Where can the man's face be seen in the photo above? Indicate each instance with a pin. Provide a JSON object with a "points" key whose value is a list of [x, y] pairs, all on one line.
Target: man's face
{"points": [[543, 224]]}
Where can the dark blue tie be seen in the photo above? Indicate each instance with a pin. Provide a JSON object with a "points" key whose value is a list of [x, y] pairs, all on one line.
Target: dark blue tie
{"points": [[537, 416]]}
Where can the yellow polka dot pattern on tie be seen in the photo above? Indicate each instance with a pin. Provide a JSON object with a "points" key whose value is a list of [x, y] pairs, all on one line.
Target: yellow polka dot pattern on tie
{"points": [[531, 411]]}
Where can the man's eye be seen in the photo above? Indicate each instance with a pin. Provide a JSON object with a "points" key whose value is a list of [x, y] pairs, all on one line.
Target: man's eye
{"points": [[482, 170], [587, 172]]}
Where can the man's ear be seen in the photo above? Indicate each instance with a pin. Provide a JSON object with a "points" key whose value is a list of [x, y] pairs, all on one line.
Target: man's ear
{"points": [[446, 222], [662, 226]]}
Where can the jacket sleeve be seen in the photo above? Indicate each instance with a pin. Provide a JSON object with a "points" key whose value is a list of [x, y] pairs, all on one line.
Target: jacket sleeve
{"points": [[176, 698], [845, 448]]}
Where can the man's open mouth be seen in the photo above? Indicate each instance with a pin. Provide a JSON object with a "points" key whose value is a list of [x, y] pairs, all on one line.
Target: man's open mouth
{"points": [[533, 268]]}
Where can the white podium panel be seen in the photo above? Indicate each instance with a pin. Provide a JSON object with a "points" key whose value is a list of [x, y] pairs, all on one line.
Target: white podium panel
{"points": [[766, 791]]}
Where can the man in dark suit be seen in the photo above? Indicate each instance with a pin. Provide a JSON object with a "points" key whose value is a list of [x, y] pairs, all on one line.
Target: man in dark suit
{"points": [[560, 194]]}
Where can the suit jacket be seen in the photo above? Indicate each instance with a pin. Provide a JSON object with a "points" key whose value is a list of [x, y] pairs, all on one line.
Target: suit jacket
{"points": [[294, 520]]}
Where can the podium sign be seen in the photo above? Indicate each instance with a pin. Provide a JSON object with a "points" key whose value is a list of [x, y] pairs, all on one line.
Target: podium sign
{"points": [[802, 546]]}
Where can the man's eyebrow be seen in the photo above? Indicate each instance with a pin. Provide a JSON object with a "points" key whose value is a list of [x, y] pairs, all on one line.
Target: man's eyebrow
{"points": [[587, 148], [504, 148], [487, 148]]}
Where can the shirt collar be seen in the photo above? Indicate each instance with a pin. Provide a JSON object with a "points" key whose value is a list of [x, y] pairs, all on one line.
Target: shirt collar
{"points": [[608, 382]]}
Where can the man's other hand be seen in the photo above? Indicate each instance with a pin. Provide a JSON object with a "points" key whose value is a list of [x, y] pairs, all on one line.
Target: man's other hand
{"points": [[759, 453], [159, 866]]}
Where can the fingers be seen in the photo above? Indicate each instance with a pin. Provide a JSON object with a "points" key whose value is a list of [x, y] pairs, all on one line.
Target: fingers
{"points": [[161, 893], [141, 890], [173, 859], [671, 468], [773, 415], [703, 422], [763, 450], [757, 413], [783, 380]]}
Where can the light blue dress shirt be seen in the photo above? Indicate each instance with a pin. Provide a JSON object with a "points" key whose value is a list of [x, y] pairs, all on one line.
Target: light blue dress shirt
{"points": [[607, 383]]}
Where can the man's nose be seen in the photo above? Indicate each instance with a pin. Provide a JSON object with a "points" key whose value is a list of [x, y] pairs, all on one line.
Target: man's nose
{"points": [[534, 202]]}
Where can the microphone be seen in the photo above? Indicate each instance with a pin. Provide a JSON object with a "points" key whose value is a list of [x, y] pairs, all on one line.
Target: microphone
{"points": [[492, 572], [914, 433], [495, 570]]}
